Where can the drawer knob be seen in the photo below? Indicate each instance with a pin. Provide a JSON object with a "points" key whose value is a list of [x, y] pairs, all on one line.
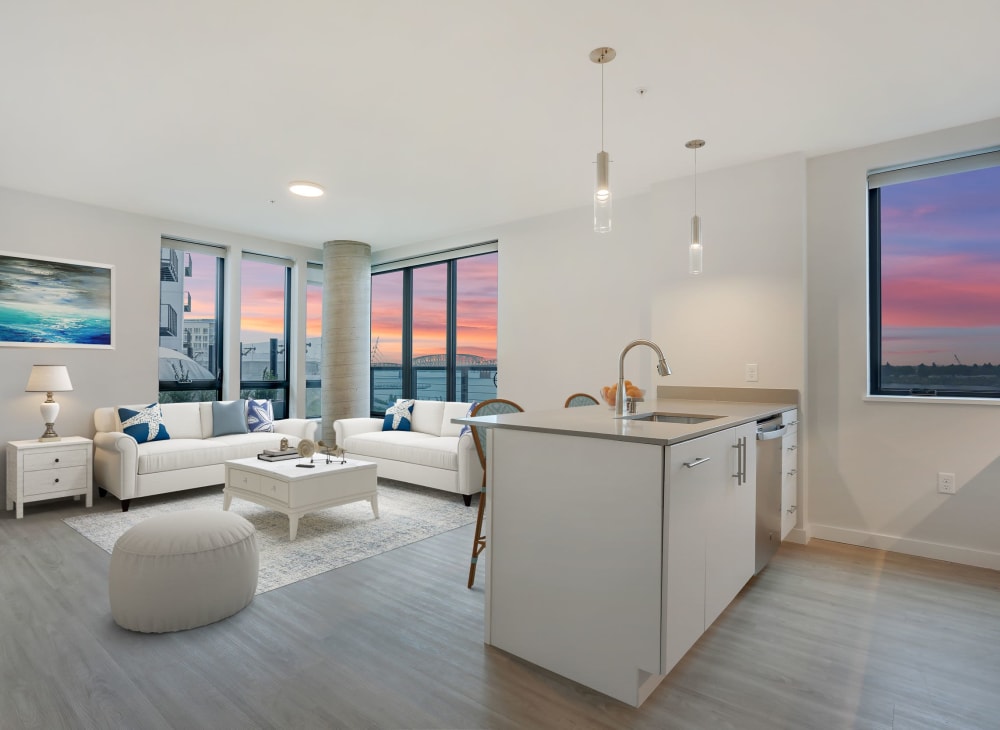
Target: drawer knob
{"points": [[57, 460], [57, 480]]}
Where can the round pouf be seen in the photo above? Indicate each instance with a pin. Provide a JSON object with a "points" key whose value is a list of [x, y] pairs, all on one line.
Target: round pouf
{"points": [[181, 570]]}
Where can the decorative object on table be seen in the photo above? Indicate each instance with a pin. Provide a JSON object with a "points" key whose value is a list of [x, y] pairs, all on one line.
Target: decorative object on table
{"points": [[580, 399], [610, 392], [306, 448], [602, 186], [327, 539], [283, 445], [276, 455], [694, 248], [49, 379], [49, 302], [332, 452]]}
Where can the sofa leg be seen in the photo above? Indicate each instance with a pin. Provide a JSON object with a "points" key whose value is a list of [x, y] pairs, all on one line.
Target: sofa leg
{"points": [[467, 498], [102, 492], [125, 504]]}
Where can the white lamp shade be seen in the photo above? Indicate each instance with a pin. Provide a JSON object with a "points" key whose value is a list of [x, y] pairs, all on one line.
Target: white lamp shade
{"points": [[48, 379]]}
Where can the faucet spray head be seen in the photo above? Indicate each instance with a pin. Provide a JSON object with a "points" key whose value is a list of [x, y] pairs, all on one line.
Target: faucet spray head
{"points": [[662, 368]]}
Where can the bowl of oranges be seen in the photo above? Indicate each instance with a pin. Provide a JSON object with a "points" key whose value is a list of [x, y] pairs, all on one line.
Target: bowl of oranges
{"points": [[610, 393]]}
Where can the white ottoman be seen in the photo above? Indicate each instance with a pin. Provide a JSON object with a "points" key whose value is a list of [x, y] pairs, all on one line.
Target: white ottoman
{"points": [[182, 570]]}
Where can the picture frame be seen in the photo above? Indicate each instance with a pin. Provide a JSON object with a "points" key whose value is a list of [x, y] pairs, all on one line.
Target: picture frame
{"points": [[55, 302]]}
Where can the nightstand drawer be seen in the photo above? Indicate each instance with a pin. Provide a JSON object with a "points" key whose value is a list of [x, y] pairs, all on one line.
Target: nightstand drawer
{"points": [[55, 480], [55, 459]]}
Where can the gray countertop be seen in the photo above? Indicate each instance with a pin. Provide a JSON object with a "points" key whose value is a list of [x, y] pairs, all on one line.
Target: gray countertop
{"points": [[600, 422]]}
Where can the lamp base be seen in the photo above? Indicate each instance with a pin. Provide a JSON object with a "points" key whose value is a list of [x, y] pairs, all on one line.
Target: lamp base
{"points": [[50, 434]]}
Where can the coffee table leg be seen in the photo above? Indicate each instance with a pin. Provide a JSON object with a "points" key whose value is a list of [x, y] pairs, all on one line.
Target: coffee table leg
{"points": [[374, 501], [227, 499], [293, 526]]}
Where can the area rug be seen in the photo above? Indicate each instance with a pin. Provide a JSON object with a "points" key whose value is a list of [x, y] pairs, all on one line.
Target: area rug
{"points": [[326, 539]]}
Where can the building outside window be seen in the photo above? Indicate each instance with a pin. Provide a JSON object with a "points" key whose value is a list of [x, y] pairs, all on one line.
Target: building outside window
{"points": [[264, 326], [934, 278], [314, 341], [434, 329], [190, 321]]}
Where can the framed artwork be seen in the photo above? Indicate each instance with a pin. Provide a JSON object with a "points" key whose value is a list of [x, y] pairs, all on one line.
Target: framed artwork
{"points": [[49, 302]]}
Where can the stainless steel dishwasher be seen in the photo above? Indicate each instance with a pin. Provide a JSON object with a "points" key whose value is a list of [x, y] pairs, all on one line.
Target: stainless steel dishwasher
{"points": [[769, 433]]}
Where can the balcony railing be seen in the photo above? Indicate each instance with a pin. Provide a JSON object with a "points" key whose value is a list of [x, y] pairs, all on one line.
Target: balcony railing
{"points": [[169, 264], [472, 383], [168, 321]]}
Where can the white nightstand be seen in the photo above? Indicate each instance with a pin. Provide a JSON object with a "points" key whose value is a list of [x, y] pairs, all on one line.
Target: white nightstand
{"points": [[48, 469]]}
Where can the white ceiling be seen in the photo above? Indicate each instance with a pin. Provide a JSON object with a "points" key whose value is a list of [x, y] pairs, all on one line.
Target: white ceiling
{"points": [[426, 118]]}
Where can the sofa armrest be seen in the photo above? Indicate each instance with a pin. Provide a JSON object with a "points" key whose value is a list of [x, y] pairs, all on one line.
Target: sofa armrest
{"points": [[344, 428], [116, 461], [303, 428]]}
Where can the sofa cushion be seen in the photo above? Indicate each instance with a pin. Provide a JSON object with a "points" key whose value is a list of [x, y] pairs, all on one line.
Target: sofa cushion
{"points": [[159, 456], [440, 452], [260, 416], [143, 424], [427, 416], [229, 417], [398, 416], [183, 420]]}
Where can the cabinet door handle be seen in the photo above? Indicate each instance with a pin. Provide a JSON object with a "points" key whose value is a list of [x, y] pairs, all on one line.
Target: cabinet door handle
{"points": [[791, 510], [741, 460], [793, 423], [793, 472], [792, 447], [699, 460]]}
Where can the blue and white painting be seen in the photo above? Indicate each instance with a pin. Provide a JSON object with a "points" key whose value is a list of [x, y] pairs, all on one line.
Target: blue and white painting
{"points": [[54, 302]]}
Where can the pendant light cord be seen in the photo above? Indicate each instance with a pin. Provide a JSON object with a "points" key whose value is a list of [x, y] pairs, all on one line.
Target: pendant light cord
{"points": [[602, 106], [696, 181]]}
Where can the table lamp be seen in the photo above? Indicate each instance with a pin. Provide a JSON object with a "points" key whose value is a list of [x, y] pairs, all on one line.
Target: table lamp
{"points": [[49, 379]]}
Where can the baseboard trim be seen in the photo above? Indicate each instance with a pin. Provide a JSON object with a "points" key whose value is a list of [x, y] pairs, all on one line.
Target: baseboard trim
{"points": [[907, 546], [798, 535]]}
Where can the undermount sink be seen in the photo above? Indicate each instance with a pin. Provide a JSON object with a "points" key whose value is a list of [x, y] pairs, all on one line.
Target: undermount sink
{"points": [[671, 418]]}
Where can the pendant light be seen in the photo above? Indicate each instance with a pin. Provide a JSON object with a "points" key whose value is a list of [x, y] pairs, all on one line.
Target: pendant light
{"points": [[695, 249], [602, 187]]}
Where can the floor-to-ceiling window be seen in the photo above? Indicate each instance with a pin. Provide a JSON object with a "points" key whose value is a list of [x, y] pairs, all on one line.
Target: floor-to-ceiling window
{"points": [[190, 355], [434, 326], [314, 341], [264, 325]]}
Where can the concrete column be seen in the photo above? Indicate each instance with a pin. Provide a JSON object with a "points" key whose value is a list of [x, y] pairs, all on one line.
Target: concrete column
{"points": [[346, 332]]}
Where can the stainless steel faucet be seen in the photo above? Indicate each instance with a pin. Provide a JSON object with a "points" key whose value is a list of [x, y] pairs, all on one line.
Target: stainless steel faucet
{"points": [[661, 367]]}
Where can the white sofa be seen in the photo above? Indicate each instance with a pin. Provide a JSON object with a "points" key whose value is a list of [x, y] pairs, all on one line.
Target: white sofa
{"points": [[190, 458], [431, 454]]}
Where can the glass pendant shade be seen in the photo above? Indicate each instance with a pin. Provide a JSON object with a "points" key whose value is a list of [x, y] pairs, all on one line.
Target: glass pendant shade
{"points": [[695, 249], [602, 194]]}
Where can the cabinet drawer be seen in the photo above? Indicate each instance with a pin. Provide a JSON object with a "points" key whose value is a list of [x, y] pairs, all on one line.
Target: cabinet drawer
{"points": [[274, 489], [244, 480], [55, 480], [789, 503], [55, 459]]}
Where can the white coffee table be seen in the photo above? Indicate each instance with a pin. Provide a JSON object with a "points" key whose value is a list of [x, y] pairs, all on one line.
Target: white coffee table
{"points": [[293, 490]]}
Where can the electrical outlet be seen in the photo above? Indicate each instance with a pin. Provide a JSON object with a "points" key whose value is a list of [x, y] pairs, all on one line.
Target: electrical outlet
{"points": [[751, 372], [946, 483]]}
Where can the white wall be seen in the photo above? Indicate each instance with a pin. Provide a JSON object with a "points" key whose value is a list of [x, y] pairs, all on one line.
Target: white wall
{"points": [[36, 225], [872, 466]]}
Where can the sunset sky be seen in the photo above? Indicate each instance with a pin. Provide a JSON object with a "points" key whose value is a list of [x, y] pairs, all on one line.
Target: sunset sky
{"points": [[941, 270], [262, 302], [477, 309]]}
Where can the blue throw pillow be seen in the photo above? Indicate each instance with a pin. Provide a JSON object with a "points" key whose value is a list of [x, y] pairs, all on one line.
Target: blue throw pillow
{"points": [[144, 425], [260, 416], [398, 416], [467, 428], [228, 417]]}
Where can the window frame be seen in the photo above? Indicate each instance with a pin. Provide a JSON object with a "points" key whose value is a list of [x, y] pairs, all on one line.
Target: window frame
{"points": [[408, 372], [282, 384], [877, 179]]}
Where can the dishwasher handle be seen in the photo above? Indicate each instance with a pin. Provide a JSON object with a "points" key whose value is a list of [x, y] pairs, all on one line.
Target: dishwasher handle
{"points": [[774, 434]]}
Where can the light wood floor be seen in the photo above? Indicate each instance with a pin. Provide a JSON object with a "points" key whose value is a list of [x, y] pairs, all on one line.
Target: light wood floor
{"points": [[828, 636]]}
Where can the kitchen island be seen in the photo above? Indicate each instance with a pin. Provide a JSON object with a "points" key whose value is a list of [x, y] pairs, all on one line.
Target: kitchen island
{"points": [[613, 543]]}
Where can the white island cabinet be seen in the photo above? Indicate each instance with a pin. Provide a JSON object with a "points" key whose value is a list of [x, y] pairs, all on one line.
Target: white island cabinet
{"points": [[609, 557]]}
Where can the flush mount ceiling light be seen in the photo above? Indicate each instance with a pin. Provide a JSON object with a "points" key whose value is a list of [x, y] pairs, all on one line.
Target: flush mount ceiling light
{"points": [[695, 249], [305, 188], [602, 187]]}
